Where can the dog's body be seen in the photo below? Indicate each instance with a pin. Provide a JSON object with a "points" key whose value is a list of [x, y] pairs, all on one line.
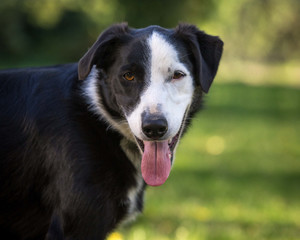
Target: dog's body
{"points": [[76, 148]]}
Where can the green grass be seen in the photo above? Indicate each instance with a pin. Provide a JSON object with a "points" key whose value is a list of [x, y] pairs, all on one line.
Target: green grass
{"points": [[236, 174]]}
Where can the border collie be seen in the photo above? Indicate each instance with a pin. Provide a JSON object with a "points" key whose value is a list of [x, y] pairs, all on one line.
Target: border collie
{"points": [[79, 142]]}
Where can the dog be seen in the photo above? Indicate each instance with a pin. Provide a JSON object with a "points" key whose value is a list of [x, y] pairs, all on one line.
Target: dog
{"points": [[79, 142]]}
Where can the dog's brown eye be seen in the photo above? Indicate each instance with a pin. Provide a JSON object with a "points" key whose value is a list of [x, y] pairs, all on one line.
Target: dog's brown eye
{"points": [[178, 75], [129, 76]]}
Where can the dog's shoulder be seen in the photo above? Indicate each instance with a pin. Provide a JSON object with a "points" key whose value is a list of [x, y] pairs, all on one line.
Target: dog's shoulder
{"points": [[22, 77], [28, 89]]}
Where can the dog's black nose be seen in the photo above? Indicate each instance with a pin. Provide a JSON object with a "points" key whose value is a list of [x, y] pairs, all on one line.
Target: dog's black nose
{"points": [[154, 127]]}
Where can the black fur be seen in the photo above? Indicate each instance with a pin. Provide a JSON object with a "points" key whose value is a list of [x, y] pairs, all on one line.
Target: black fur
{"points": [[54, 159], [63, 174]]}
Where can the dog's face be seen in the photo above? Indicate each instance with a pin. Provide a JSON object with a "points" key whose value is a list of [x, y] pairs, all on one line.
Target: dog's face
{"points": [[151, 78]]}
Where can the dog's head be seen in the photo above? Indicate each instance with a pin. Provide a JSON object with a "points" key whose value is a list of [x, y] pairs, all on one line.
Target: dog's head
{"points": [[152, 78]]}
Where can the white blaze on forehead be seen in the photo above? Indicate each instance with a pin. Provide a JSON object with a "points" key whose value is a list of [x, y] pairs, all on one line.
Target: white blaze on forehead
{"points": [[165, 96], [163, 56], [164, 62]]}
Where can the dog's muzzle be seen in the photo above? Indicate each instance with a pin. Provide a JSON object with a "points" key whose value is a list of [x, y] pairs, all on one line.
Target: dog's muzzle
{"points": [[157, 148]]}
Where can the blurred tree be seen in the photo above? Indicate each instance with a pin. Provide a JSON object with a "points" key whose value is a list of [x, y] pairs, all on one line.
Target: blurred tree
{"points": [[259, 29], [60, 30], [166, 13]]}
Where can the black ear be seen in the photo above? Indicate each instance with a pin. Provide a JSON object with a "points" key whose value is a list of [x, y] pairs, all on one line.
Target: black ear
{"points": [[101, 51], [206, 50]]}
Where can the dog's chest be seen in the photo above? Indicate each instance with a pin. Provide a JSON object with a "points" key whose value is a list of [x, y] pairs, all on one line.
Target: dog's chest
{"points": [[135, 194]]}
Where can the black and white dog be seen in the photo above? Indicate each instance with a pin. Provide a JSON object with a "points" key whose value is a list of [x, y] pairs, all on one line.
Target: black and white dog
{"points": [[78, 142]]}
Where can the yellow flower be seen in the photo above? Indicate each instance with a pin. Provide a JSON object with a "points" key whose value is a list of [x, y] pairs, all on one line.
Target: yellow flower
{"points": [[115, 236]]}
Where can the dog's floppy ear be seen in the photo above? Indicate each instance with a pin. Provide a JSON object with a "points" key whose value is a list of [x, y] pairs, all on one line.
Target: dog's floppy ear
{"points": [[206, 50], [101, 51]]}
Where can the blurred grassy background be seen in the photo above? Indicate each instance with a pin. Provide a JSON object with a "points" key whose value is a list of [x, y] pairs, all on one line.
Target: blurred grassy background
{"points": [[236, 174], [237, 171]]}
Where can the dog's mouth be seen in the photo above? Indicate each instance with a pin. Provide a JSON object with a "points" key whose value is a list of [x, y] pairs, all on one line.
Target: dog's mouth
{"points": [[157, 158], [172, 142]]}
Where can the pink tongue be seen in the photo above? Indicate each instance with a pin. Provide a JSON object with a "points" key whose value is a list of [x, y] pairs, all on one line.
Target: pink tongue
{"points": [[156, 163]]}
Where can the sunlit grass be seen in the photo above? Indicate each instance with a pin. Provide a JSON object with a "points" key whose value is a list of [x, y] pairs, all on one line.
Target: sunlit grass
{"points": [[236, 174], [260, 73]]}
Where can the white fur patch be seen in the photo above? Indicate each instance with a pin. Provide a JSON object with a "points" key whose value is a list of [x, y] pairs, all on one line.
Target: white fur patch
{"points": [[171, 97]]}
